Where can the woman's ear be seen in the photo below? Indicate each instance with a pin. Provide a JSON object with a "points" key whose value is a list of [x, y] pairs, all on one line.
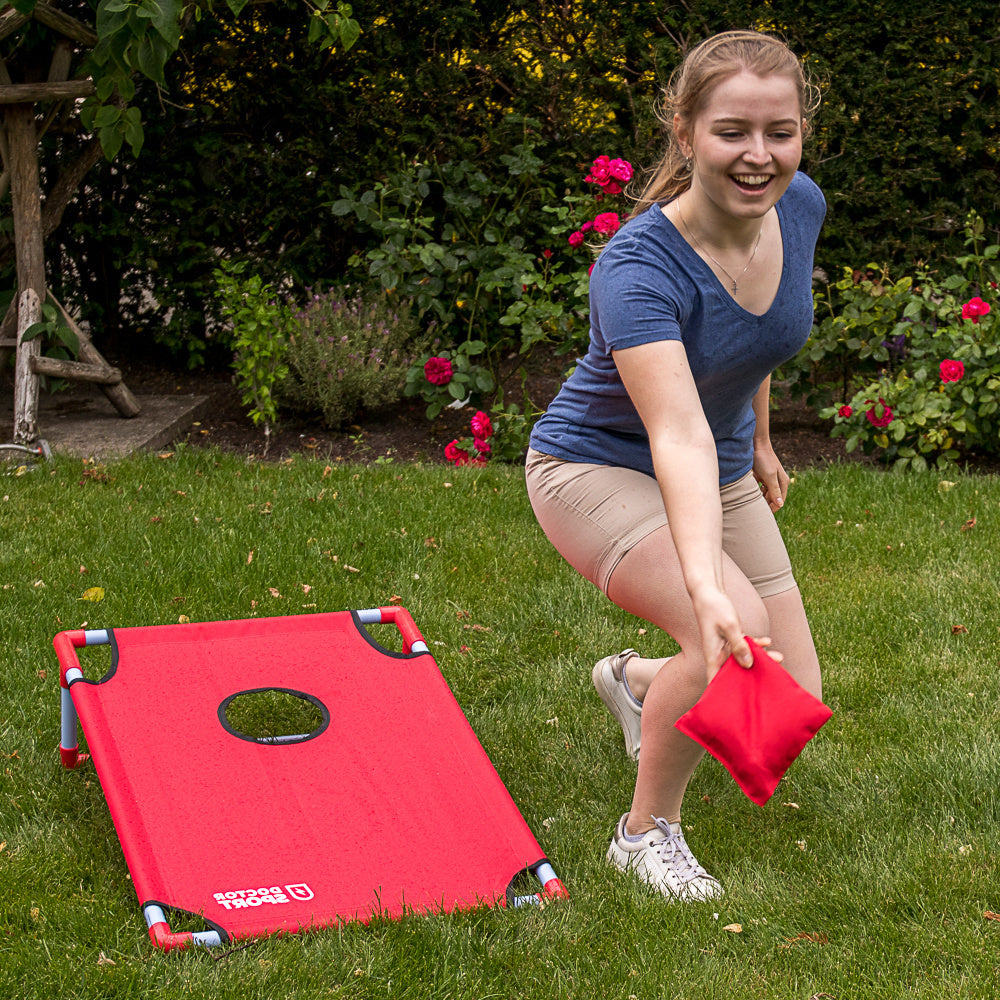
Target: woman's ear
{"points": [[682, 136]]}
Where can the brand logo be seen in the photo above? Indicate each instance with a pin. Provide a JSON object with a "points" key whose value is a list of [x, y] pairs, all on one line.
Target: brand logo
{"points": [[241, 899]]}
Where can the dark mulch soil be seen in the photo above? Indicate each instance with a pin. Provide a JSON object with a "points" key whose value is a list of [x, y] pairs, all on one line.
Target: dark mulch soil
{"points": [[403, 434]]}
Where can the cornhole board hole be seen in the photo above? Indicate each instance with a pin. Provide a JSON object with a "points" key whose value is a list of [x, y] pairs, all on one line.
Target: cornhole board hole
{"points": [[388, 806]]}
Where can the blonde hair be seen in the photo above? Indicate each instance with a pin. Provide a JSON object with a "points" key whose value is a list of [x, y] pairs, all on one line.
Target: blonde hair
{"points": [[703, 69]]}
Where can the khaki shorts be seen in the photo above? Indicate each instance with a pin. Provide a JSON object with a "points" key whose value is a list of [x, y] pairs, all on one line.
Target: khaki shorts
{"points": [[594, 514]]}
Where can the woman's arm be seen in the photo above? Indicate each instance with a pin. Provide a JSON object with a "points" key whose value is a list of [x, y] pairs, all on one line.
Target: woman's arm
{"points": [[767, 469], [659, 381]]}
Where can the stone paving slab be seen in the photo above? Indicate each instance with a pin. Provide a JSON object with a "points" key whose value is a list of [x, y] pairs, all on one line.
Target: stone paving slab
{"points": [[85, 425]]}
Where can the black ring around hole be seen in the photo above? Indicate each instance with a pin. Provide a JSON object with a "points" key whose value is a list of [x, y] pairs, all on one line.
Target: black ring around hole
{"points": [[275, 741]]}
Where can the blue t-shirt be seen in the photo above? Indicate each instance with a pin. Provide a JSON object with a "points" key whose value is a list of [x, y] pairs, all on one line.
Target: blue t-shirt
{"points": [[649, 285]]}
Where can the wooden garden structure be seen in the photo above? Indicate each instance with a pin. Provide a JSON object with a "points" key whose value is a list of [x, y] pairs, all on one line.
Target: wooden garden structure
{"points": [[34, 219]]}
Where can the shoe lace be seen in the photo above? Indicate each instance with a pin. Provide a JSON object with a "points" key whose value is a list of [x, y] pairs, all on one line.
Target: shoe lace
{"points": [[673, 849]]}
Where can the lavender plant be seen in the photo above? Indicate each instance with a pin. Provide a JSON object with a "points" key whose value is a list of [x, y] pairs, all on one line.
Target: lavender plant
{"points": [[349, 353]]}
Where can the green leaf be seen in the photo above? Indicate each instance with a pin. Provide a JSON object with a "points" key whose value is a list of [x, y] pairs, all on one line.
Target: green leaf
{"points": [[111, 18], [104, 87], [350, 32], [107, 116], [236, 6], [33, 331], [126, 87], [147, 59], [134, 134], [165, 15], [23, 6], [111, 141], [69, 338]]}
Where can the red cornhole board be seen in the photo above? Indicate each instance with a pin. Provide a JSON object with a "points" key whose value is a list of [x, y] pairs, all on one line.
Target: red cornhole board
{"points": [[390, 806]]}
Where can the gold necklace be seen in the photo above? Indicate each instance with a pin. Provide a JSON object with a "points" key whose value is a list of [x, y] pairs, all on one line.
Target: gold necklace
{"points": [[753, 253]]}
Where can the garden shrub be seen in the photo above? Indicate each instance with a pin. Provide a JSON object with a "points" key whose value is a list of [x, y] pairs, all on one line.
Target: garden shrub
{"points": [[506, 440], [260, 323], [348, 353], [456, 240], [913, 366]]}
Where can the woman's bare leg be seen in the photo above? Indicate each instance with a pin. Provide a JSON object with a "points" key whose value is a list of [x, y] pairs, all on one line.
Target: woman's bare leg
{"points": [[791, 636], [649, 584]]}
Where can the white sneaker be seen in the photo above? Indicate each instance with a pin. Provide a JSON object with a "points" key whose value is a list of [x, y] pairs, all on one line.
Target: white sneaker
{"points": [[663, 859], [609, 679]]}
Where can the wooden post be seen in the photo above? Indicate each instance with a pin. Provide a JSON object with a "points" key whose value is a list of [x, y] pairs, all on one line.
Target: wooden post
{"points": [[29, 310], [26, 198]]}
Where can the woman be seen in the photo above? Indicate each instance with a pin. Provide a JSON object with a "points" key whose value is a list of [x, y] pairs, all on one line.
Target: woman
{"points": [[652, 472]]}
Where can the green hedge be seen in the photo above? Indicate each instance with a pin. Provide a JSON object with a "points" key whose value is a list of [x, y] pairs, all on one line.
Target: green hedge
{"points": [[261, 132]]}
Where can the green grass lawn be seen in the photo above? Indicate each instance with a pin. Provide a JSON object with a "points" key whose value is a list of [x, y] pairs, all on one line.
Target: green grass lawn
{"points": [[871, 873]]}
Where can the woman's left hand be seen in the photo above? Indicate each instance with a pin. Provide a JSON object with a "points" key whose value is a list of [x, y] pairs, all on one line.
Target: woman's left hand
{"points": [[768, 471]]}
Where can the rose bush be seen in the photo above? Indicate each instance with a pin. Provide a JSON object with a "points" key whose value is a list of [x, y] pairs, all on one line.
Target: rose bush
{"points": [[916, 362], [501, 435], [554, 300]]}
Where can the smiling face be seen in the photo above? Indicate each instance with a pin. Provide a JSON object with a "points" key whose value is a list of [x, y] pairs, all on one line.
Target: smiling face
{"points": [[745, 144]]}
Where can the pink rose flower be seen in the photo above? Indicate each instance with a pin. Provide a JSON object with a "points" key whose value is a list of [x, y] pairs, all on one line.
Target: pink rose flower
{"points": [[482, 445], [455, 454], [975, 308], [438, 371], [845, 411], [607, 223], [481, 425], [586, 227], [621, 170], [877, 420], [609, 174], [600, 171], [575, 239], [951, 371]]}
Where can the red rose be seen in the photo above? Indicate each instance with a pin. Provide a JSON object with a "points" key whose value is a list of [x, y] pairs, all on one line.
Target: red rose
{"points": [[455, 454], [877, 419], [607, 223], [438, 371], [600, 171], [621, 170], [975, 308], [845, 411], [481, 426], [609, 174], [951, 371], [575, 239]]}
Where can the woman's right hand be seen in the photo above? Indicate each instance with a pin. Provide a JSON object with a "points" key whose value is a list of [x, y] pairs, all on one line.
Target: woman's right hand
{"points": [[721, 634]]}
